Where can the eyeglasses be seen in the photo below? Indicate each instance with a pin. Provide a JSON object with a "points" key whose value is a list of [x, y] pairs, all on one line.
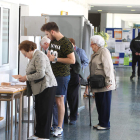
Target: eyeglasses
{"points": [[92, 44]]}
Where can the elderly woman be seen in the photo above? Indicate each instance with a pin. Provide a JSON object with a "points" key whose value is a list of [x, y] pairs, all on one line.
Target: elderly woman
{"points": [[101, 64], [43, 85]]}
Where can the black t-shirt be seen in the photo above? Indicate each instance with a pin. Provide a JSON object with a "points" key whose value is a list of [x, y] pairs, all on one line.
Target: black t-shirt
{"points": [[61, 49]]}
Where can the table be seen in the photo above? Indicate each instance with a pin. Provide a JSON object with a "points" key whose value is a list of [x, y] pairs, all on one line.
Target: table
{"points": [[8, 93]]}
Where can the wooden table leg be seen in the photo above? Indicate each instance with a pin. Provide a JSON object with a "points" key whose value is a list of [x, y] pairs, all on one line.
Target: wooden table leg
{"points": [[0, 105], [20, 117], [15, 112], [11, 119], [8, 115], [22, 108]]}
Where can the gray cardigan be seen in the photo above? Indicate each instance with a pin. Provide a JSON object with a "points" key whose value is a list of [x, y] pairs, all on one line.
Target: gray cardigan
{"points": [[40, 64]]}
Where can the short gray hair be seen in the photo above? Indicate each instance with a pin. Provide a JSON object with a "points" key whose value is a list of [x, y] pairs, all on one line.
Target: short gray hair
{"points": [[97, 39], [45, 39]]}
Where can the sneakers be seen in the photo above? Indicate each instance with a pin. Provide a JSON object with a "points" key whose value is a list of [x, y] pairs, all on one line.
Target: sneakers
{"points": [[72, 122], [102, 128], [58, 132]]}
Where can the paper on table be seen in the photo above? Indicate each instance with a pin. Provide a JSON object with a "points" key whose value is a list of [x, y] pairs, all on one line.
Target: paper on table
{"points": [[16, 76], [21, 83]]}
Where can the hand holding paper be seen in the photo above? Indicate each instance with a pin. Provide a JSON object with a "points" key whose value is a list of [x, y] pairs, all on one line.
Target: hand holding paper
{"points": [[16, 76], [23, 78]]}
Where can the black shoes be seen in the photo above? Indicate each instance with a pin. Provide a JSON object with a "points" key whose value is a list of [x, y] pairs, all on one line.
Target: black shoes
{"points": [[132, 76]]}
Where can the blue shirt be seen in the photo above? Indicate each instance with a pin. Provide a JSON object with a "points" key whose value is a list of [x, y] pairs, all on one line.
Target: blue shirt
{"points": [[83, 57]]}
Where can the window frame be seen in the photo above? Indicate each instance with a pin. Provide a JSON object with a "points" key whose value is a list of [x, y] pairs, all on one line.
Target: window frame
{"points": [[1, 35]]}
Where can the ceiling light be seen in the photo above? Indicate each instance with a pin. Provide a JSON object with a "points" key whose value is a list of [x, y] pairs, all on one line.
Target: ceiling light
{"points": [[99, 10], [133, 10], [129, 6], [92, 6]]}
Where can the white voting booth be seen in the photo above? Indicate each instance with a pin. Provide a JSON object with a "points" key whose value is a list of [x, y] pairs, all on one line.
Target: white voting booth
{"points": [[76, 27]]}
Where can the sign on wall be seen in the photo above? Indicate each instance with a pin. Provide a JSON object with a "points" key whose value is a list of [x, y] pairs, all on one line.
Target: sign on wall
{"points": [[121, 54], [118, 34], [126, 35]]}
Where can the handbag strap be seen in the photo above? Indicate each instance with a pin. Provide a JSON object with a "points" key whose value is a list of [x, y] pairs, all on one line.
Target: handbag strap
{"points": [[90, 65]]}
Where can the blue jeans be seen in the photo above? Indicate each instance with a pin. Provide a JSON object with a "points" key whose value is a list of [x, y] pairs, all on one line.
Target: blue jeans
{"points": [[62, 87]]}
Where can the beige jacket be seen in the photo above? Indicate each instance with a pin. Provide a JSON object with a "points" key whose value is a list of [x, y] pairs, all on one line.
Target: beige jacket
{"points": [[101, 64], [40, 64]]}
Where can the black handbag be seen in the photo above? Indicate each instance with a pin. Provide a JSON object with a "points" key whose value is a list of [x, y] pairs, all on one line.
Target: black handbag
{"points": [[97, 81], [28, 92]]}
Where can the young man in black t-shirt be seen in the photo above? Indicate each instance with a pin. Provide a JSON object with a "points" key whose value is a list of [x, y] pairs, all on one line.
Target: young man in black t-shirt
{"points": [[61, 55]]}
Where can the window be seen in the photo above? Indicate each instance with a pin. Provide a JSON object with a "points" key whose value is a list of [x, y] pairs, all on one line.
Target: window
{"points": [[4, 39]]}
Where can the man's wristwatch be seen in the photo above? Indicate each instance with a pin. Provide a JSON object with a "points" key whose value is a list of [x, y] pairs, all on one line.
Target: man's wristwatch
{"points": [[55, 59]]}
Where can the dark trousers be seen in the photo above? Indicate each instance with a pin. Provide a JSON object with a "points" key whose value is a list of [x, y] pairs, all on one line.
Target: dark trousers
{"points": [[135, 59], [43, 108], [72, 97], [103, 105]]}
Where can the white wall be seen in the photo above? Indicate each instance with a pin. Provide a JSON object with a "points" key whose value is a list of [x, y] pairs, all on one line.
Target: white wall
{"points": [[115, 20], [130, 19], [110, 22], [53, 7]]}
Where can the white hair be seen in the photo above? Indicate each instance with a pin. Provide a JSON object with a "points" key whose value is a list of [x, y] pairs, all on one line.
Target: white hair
{"points": [[45, 39], [97, 39]]}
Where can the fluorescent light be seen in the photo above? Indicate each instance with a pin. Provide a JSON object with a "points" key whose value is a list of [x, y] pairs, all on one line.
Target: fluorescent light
{"points": [[129, 6], [99, 10], [133, 10]]}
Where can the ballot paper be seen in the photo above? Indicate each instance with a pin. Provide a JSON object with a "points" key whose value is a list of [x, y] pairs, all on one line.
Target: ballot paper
{"points": [[16, 76]]}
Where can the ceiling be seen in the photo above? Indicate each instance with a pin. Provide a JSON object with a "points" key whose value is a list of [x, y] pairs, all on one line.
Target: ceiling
{"points": [[115, 9]]}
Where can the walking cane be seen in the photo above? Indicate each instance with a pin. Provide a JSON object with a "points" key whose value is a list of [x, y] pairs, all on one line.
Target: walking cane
{"points": [[89, 104]]}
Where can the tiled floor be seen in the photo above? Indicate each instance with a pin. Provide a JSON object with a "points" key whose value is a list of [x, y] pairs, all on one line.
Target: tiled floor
{"points": [[125, 115]]}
